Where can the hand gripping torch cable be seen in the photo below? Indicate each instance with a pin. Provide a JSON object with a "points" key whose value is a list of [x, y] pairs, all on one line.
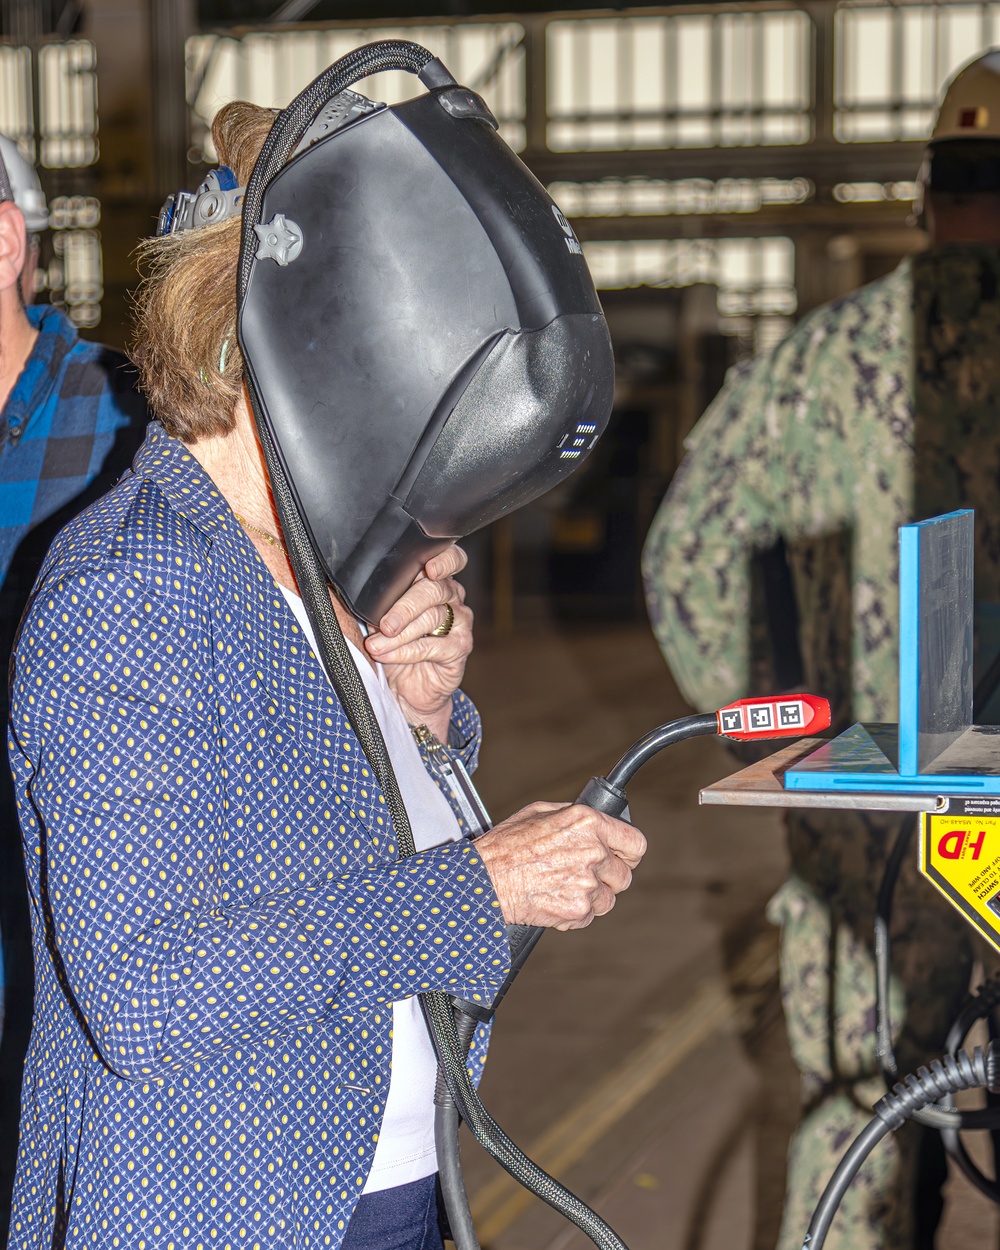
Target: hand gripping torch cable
{"points": [[453, 1021]]}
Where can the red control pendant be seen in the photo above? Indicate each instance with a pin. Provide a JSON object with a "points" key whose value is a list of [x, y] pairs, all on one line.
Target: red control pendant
{"points": [[790, 716]]}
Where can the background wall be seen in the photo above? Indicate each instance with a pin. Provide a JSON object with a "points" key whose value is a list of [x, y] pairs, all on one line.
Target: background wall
{"points": [[728, 167]]}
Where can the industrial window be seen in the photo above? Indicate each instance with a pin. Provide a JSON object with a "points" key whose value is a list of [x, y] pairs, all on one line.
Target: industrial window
{"points": [[754, 277], [638, 197], [17, 117], [67, 104], [699, 80], [874, 192], [79, 253], [73, 270], [269, 69], [893, 60]]}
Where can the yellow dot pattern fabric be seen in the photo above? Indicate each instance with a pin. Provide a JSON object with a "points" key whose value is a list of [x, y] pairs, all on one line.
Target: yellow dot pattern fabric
{"points": [[220, 918]]}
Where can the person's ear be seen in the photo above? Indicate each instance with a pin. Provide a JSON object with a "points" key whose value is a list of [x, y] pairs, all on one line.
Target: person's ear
{"points": [[13, 245]]}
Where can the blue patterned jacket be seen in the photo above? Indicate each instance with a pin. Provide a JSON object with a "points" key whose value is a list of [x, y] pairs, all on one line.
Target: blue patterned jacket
{"points": [[220, 919]]}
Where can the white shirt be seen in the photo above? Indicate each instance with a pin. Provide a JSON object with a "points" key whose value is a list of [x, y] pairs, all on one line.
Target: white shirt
{"points": [[405, 1149]]}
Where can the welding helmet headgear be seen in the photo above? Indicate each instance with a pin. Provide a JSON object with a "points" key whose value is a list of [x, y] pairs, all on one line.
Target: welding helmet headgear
{"points": [[424, 347]]}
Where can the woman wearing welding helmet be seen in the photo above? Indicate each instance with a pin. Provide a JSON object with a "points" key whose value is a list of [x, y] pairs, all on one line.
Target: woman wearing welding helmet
{"points": [[226, 1047]]}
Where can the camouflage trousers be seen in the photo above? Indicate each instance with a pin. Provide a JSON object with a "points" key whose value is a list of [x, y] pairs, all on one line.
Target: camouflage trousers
{"points": [[826, 911]]}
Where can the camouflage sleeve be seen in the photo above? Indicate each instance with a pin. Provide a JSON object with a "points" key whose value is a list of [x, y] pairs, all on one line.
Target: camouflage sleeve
{"points": [[721, 506]]}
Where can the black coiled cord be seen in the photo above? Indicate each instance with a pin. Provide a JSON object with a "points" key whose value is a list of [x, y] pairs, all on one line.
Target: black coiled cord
{"points": [[311, 578], [981, 1006], [941, 1079]]}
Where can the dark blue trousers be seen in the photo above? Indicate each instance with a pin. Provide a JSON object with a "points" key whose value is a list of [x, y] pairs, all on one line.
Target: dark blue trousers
{"points": [[402, 1218]]}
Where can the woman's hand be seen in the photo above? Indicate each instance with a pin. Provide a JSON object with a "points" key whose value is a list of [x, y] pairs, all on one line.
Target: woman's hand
{"points": [[424, 671], [559, 864]]}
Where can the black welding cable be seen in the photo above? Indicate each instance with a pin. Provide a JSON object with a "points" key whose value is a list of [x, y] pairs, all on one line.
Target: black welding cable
{"points": [[604, 794], [883, 916], [927, 1085], [654, 742], [447, 1120], [984, 1001], [847, 1169], [452, 1062]]}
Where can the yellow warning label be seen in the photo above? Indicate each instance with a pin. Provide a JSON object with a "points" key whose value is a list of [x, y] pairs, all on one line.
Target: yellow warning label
{"points": [[961, 856]]}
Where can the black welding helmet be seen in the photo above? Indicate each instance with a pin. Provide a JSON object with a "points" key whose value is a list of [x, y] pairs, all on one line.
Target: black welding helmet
{"points": [[424, 347]]}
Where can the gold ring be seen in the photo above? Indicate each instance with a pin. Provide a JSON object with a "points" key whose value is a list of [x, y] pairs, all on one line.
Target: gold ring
{"points": [[446, 627]]}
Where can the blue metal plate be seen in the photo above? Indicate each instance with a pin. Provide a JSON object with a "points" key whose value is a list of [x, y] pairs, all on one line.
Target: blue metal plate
{"points": [[935, 637], [861, 760]]}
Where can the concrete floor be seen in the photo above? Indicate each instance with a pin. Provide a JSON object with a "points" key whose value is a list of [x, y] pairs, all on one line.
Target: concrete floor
{"points": [[643, 1060]]}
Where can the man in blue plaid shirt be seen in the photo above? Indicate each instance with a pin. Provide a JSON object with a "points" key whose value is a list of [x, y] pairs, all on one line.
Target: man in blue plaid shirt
{"points": [[70, 422]]}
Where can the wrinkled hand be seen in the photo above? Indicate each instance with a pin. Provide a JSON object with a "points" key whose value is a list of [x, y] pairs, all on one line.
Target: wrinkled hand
{"points": [[423, 671], [559, 865]]}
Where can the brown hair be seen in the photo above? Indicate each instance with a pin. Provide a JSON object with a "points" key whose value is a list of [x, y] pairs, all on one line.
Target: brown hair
{"points": [[184, 342]]}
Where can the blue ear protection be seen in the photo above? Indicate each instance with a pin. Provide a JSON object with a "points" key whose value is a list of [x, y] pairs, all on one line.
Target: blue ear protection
{"points": [[217, 198]]}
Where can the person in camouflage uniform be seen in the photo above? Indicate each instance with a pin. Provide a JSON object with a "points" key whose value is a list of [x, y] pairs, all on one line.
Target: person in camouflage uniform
{"points": [[878, 409]]}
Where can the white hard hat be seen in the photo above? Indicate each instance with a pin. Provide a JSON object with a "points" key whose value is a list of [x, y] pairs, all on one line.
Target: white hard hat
{"points": [[22, 186], [963, 154], [970, 108]]}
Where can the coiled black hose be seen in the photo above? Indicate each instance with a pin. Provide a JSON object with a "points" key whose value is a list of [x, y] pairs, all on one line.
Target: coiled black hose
{"points": [[981, 1006], [941, 1079]]}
